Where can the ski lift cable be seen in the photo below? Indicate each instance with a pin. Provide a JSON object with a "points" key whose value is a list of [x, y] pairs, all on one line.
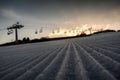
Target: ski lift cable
{"points": [[33, 28]]}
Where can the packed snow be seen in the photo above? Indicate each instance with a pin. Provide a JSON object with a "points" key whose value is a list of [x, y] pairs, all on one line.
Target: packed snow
{"points": [[95, 57]]}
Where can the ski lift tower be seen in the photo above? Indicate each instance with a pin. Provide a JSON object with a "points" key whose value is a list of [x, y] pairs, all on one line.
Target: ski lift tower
{"points": [[90, 29], [16, 27]]}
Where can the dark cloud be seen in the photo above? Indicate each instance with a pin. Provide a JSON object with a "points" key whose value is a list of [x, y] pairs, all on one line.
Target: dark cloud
{"points": [[58, 2], [47, 9]]}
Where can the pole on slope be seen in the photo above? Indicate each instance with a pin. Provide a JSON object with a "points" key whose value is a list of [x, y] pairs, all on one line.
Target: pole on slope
{"points": [[16, 27]]}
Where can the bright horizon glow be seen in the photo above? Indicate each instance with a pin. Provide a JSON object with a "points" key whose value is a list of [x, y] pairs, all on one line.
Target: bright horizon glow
{"points": [[58, 32], [77, 30]]}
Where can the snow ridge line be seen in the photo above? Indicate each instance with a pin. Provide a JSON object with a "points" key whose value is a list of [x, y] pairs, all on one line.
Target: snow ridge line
{"points": [[97, 67], [22, 60], [106, 62], [80, 68], [37, 69], [111, 54], [50, 71], [19, 69], [62, 71]]}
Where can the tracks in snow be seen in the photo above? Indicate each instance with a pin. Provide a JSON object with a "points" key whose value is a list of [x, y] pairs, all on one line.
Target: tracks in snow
{"points": [[68, 60]]}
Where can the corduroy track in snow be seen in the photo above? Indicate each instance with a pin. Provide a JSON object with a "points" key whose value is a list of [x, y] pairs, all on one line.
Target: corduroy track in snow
{"points": [[95, 57]]}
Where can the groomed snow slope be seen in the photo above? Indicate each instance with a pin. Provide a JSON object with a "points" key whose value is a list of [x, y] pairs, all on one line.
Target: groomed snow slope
{"points": [[90, 58]]}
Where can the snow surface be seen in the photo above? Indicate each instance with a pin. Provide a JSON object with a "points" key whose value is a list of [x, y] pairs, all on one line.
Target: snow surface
{"points": [[96, 57]]}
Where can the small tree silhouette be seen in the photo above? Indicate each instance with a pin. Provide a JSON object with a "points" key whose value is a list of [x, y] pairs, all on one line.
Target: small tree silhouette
{"points": [[26, 40]]}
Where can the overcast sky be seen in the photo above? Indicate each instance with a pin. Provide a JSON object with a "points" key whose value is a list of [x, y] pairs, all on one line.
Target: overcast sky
{"points": [[55, 13]]}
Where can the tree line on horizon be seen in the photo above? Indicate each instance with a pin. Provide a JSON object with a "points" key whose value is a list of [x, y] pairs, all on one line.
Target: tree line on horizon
{"points": [[42, 39]]}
